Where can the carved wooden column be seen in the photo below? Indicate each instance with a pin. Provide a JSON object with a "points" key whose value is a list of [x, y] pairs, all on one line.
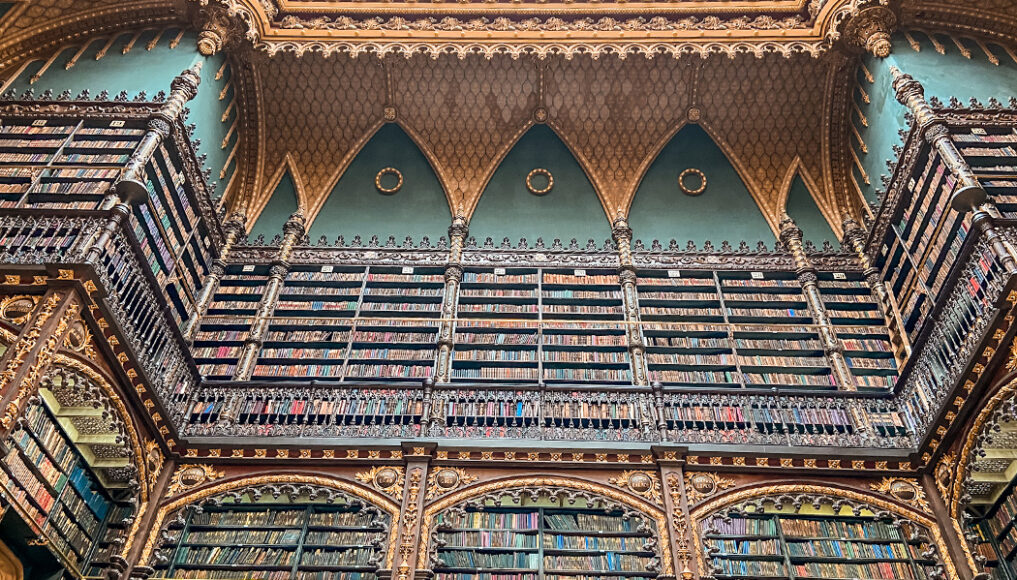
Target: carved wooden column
{"points": [[130, 188], [27, 358], [457, 233], [676, 505], [952, 533], [126, 565], [408, 540], [622, 234], [293, 232], [791, 236], [854, 238], [968, 196], [233, 229]]}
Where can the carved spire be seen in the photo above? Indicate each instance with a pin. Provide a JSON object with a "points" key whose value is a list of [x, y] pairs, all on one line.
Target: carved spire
{"points": [[870, 30], [216, 31]]}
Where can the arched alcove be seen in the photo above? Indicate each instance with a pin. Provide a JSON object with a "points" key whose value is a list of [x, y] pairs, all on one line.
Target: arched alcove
{"points": [[279, 208], [723, 211], [363, 201], [570, 209], [344, 515], [802, 208]]}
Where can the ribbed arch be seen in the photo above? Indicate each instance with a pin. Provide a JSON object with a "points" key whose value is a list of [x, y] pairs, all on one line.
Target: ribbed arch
{"points": [[571, 209], [724, 211], [284, 201], [803, 209]]}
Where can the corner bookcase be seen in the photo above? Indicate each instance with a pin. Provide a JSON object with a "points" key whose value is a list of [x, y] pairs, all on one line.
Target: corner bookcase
{"points": [[813, 547], [996, 535], [274, 539]]}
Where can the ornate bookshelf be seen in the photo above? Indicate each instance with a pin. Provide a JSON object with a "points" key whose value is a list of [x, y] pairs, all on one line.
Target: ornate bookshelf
{"points": [[808, 547], [996, 535], [287, 537]]}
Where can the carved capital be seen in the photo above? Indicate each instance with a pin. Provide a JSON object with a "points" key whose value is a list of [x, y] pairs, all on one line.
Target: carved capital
{"points": [[159, 126], [215, 33], [620, 229], [870, 30], [460, 227], [296, 225], [789, 231], [186, 83]]}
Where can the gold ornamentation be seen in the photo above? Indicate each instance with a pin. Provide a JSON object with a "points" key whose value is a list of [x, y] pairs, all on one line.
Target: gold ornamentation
{"points": [[17, 309], [447, 479], [534, 173], [701, 485], [944, 474], [154, 460], [686, 189], [907, 491], [408, 525], [681, 527], [383, 173], [642, 483], [188, 477], [386, 479]]}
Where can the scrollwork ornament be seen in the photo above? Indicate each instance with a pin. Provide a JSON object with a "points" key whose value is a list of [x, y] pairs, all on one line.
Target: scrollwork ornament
{"points": [[642, 483], [386, 479], [16, 309], [447, 479], [701, 485], [907, 491], [944, 474], [188, 477]]}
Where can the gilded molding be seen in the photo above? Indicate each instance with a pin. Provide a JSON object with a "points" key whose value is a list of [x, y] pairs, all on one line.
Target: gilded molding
{"points": [[645, 484], [443, 480], [701, 485], [386, 479], [681, 527], [408, 524], [188, 477], [904, 490]]}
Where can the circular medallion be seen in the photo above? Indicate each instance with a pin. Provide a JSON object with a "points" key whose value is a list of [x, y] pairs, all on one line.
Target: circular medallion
{"points": [[693, 189], [77, 336], [192, 476], [386, 478], [533, 189], [446, 478], [384, 173], [704, 484], [640, 482], [903, 490], [17, 309]]}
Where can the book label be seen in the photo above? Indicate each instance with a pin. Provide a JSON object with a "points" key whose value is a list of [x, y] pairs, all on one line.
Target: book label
{"points": [[407, 269], [674, 274], [839, 276], [116, 123], [248, 268], [499, 271], [326, 268], [580, 272], [39, 123], [757, 275]]}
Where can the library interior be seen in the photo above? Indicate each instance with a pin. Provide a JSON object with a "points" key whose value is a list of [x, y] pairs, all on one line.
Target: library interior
{"points": [[508, 289]]}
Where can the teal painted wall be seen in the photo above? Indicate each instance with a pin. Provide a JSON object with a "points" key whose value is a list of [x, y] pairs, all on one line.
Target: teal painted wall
{"points": [[356, 207], [943, 76], [725, 211], [802, 208], [570, 210], [279, 208], [4, 7], [149, 71]]}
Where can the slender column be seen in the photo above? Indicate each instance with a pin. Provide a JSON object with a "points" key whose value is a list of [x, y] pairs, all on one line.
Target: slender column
{"points": [[233, 229], [457, 233], [418, 464], [676, 506], [130, 189], [791, 236], [854, 237], [969, 195], [26, 360], [293, 231], [125, 564], [622, 234], [951, 531]]}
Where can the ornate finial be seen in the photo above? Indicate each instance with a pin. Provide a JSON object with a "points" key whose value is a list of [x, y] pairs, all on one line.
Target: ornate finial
{"points": [[187, 81], [851, 227], [296, 223], [870, 30], [214, 33], [460, 226], [788, 229], [620, 225], [905, 86]]}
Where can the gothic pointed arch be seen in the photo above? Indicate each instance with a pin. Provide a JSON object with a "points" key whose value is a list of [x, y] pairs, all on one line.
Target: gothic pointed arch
{"points": [[285, 200], [389, 189], [724, 210], [801, 205], [514, 203]]}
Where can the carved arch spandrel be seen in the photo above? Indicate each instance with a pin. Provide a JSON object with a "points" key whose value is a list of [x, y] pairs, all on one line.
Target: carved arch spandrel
{"points": [[797, 168], [205, 491], [763, 490], [287, 165], [507, 484]]}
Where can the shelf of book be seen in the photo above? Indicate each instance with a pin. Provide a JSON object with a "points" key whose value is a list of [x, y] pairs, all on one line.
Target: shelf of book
{"points": [[222, 333], [799, 547], [998, 534], [57, 494], [299, 540], [541, 542]]}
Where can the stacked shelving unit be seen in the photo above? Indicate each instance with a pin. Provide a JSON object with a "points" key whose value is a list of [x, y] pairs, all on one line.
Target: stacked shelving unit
{"points": [[57, 494], [223, 331], [861, 328], [992, 153], [274, 542], [541, 543], [772, 546], [997, 533]]}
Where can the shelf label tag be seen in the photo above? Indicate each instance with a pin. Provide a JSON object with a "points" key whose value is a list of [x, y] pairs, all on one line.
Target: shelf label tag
{"points": [[977, 131], [248, 268], [39, 123], [912, 184], [327, 268], [499, 271], [580, 272], [839, 276], [674, 273], [407, 269], [885, 249], [118, 123], [757, 275]]}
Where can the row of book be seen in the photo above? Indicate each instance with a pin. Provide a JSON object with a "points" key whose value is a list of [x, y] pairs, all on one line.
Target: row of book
{"points": [[337, 557], [488, 539], [235, 556], [875, 570]]}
